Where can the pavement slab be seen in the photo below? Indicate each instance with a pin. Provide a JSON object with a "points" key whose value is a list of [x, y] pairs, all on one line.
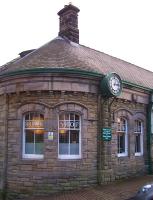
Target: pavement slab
{"points": [[118, 190]]}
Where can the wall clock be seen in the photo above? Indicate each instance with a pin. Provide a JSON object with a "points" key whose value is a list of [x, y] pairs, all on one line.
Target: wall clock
{"points": [[111, 85]]}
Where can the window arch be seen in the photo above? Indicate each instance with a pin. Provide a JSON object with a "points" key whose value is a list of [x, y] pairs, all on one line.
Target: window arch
{"points": [[122, 139], [138, 133], [69, 135], [33, 135]]}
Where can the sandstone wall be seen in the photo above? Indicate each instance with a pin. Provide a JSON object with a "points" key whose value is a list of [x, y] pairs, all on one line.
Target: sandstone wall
{"points": [[51, 174], [114, 167], [99, 162], [3, 123]]}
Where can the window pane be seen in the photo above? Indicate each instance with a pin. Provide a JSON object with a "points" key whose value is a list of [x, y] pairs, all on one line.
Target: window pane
{"points": [[27, 116], [41, 117], [137, 144], [67, 124], [31, 116], [74, 142], [72, 124], [71, 116], [39, 141], [77, 124], [138, 126], [121, 126], [121, 143], [74, 136], [61, 117], [76, 117], [67, 116], [63, 141], [29, 141]]}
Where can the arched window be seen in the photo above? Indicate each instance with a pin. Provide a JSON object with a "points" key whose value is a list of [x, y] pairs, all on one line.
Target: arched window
{"points": [[122, 143], [138, 132], [69, 136], [33, 135]]}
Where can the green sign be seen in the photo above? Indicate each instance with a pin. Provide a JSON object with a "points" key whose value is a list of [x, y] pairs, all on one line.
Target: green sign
{"points": [[106, 134]]}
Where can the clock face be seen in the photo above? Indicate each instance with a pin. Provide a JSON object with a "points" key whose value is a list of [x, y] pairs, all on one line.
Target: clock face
{"points": [[115, 84]]}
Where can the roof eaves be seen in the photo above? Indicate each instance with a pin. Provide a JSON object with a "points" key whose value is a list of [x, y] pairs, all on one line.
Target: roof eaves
{"points": [[51, 70], [133, 85]]}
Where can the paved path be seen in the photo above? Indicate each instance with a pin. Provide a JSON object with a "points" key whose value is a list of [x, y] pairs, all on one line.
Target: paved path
{"points": [[120, 190]]}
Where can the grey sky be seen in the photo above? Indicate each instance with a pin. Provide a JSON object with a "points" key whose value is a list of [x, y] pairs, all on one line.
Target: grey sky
{"points": [[121, 28]]}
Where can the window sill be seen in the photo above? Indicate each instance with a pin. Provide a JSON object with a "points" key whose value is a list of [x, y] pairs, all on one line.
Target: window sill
{"points": [[67, 157], [138, 154], [33, 157], [122, 155]]}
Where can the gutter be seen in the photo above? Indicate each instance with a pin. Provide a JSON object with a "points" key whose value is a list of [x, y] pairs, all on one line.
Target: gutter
{"points": [[136, 86], [65, 71], [51, 70]]}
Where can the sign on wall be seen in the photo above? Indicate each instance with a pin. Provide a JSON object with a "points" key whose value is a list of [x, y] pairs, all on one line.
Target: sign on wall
{"points": [[106, 134]]}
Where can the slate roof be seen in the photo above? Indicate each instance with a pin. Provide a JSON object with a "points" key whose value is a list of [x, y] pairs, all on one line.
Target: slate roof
{"points": [[62, 53]]}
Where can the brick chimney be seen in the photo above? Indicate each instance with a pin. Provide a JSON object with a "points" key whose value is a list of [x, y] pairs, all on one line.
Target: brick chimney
{"points": [[69, 23]]}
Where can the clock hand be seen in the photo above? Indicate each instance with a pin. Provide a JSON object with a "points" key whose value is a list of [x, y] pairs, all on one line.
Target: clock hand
{"points": [[116, 84]]}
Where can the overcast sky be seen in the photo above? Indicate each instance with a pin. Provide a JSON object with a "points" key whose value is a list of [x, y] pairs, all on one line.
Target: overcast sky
{"points": [[121, 28]]}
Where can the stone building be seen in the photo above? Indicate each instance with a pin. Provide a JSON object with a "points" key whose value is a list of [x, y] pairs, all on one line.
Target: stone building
{"points": [[71, 116]]}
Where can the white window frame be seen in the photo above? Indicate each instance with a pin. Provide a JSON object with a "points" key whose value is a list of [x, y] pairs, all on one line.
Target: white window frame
{"points": [[141, 138], [126, 138], [24, 155], [152, 121], [68, 156]]}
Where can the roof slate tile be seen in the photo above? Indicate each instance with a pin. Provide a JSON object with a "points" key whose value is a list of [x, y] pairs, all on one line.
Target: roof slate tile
{"points": [[62, 53]]}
